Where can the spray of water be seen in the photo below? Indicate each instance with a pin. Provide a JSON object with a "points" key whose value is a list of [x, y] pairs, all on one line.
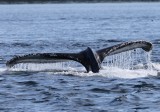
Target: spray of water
{"points": [[129, 64], [129, 60], [54, 67]]}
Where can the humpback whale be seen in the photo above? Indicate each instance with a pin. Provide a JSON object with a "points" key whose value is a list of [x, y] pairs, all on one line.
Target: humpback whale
{"points": [[89, 58]]}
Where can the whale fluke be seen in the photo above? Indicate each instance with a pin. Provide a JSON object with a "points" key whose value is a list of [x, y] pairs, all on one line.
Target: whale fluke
{"points": [[86, 58], [90, 59], [147, 46]]}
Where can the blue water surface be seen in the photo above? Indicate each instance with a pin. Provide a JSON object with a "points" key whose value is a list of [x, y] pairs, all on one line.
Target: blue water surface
{"points": [[71, 28]]}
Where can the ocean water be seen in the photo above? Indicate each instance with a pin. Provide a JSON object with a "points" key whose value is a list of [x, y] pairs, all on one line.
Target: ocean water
{"points": [[119, 87]]}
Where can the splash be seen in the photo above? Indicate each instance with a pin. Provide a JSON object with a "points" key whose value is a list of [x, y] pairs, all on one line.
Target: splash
{"points": [[130, 64], [129, 60], [53, 67]]}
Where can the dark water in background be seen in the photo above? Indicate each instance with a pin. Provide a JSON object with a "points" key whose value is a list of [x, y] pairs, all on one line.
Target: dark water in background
{"points": [[71, 28]]}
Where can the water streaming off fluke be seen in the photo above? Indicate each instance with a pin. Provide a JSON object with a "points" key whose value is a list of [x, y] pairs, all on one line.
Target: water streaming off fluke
{"points": [[134, 63], [130, 60]]}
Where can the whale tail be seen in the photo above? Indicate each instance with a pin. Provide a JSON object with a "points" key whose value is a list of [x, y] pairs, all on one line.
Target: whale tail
{"points": [[146, 46], [90, 59]]}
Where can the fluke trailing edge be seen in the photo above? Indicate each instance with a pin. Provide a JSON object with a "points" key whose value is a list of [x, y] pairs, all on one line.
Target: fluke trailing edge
{"points": [[90, 59]]}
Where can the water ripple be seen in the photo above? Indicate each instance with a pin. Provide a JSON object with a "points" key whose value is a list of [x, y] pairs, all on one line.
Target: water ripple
{"points": [[72, 28], [100, 90], [28, 83]]}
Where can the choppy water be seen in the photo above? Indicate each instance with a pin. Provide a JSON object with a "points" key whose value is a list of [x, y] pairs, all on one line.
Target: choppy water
{"points": [[71, 28]]}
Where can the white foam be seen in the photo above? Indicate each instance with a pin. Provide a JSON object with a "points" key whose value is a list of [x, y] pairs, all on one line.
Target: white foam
{"points": [[2, 70], [110, 72], [131, 64], [126, 73], [114, 73], [156, 66]]}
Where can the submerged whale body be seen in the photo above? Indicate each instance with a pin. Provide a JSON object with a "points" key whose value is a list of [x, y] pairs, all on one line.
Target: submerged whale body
{"points": [[90, 59]]}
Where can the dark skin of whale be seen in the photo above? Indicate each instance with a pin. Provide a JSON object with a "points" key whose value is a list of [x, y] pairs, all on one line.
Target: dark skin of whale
{"points": [[90, 59]]}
